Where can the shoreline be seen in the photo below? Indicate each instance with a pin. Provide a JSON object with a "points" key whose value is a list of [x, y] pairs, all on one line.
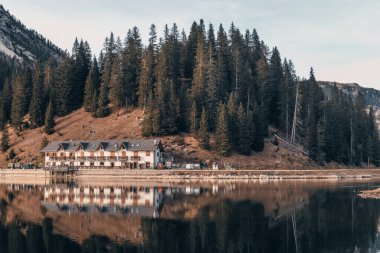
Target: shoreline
{"points": [[201, 175]]}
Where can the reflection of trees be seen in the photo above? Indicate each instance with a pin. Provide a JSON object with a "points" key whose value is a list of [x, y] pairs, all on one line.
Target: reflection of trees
{"points": [[330, 222], [339, 223], [38, 239]]}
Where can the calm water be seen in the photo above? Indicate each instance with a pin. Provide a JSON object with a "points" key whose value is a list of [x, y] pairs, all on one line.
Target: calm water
{"points": [[146, 217]]}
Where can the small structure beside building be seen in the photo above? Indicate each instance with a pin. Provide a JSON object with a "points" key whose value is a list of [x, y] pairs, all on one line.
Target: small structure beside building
{"points": [[127, 154]]}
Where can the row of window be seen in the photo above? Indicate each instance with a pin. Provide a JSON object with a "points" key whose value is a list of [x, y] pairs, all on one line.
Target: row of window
{"points": [[92, 154]]}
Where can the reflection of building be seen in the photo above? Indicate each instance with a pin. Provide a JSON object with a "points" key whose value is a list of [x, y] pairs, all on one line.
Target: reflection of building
{"points": [[141, 201], [109, 153]]}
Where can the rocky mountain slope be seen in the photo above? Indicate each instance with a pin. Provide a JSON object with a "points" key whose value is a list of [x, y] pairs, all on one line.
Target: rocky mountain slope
{"points": [[372, 96], [16, 40]]}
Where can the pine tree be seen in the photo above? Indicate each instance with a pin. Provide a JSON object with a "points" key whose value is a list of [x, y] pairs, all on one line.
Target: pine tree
{"points": [[148, 65], [117, 92], [63, 87], [147, 125], [194, 117], [92, 84], [37, 104], [94, 104], [11, 155], [200, 72], [222, 133], [132, 61], [49, 121], [223, 73], [18, 101], [271, 91], [4, 141], [6, 102], [258, 130], [243, 130], [28, 87], [203, 135], [212, 89], [81, 64], [102, 107], [233, 122]]}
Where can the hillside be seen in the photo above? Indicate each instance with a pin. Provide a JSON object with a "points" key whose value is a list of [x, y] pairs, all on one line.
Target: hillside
{"points": [[80, 125], [16, 40]]}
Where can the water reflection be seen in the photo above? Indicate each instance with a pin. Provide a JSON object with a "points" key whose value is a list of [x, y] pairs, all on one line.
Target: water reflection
{"points": [[272, 217]]}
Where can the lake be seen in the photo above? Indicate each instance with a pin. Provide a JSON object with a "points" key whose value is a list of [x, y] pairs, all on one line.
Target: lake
{"points": [[279, 216]]}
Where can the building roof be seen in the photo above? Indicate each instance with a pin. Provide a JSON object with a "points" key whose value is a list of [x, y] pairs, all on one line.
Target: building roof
{"points": [[106, 145]]}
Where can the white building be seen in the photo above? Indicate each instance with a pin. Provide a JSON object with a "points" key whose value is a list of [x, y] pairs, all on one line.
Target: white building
{"points": [[131, 154]]}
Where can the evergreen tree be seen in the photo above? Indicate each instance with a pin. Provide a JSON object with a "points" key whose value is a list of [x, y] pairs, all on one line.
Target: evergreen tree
{"points": [[117, 92], [4, 141], [49, 121], [91, 86], [37, 104], [258, 130], [148, 65], [6, 102], [243, 130], [271, 91], [94, 104], [132, 62], [222, 133], [148, 123], [232, 118], [203, 135], [102, 107], [194, 117], [223, 76], [28, 87], [18, 102], [81, 65], [200, 72], [63, 88]]}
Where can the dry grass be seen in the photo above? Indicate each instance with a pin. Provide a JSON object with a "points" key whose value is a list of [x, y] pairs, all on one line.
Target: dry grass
{"points": [[80, 125]]}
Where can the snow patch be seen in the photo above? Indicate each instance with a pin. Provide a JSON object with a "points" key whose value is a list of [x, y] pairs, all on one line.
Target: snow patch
{"points": [[7, 51]]}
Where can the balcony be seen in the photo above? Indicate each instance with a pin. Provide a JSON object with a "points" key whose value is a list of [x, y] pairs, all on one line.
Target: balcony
{"points": [[135, 158]]}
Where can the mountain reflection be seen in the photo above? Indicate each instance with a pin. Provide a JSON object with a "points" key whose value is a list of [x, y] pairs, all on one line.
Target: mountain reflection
{"points": [[272, 217]]}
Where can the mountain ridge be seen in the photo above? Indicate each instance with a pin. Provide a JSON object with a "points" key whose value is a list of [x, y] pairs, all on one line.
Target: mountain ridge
{"points": [[16, 40]]}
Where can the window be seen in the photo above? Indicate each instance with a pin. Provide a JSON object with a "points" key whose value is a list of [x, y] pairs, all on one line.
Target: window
{"points": [[101, 153], [147, 153], [82, 154], [136, 153], [123, 154], [71, 154], [92, 154], [112, 154]]}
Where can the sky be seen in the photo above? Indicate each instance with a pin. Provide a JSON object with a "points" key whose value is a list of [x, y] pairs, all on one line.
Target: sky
{"points": [[340, 39]]}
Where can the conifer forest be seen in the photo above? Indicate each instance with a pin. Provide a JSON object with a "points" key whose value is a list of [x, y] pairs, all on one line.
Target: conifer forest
{"points": [[214, 82]]}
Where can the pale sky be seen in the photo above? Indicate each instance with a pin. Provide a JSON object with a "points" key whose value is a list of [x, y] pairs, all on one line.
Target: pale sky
{"points": [[339, 38]]}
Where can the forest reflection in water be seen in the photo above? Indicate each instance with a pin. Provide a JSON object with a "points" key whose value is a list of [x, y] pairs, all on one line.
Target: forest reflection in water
{"points": [[254, 217]]}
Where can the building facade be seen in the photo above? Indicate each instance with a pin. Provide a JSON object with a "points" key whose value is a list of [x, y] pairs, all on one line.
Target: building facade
{"points": [[126, 154]]}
